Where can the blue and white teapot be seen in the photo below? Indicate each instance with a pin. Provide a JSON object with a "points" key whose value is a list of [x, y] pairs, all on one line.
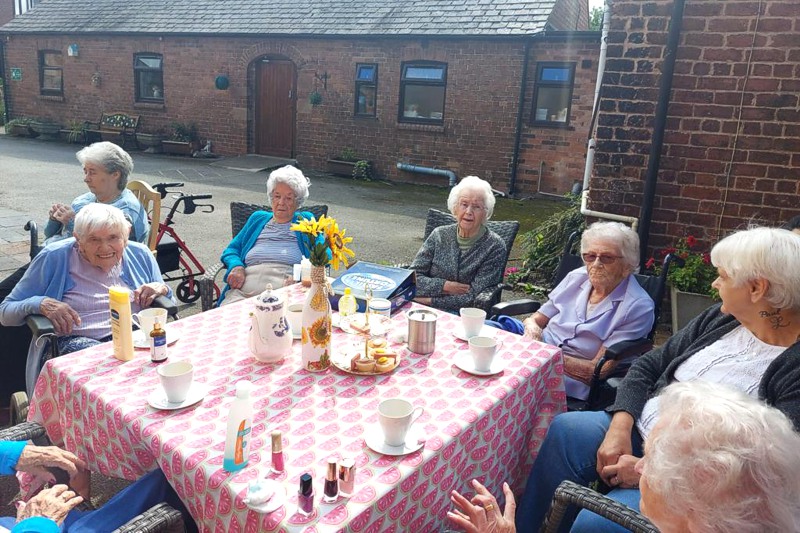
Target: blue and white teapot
{"points": [[270, 334]]}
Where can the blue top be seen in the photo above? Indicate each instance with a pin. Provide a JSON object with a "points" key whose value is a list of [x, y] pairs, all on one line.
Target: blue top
{"points": [[234, 255], [625, 314], [48, 276], [9, 456], [126, 202]]}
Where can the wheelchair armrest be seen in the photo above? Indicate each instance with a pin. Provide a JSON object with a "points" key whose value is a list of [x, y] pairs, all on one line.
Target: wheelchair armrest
{"points": [[23, 431], [515, 307], [624, 349], [485, 298], [160, 517], [40, 325], [165, 302]]}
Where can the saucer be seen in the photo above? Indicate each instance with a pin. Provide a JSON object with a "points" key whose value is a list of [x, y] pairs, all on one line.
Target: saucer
{"points": [[375, 442], [486, 331], [158, 398], [464, 362], [142, 342], [274, 503]]}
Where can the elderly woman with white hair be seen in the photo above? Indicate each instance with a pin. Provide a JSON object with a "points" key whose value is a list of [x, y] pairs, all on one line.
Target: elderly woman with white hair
{"points": [[750, 342], [718, 460], [68, 282], [595, 306], [106, 168], [457, 262], [265, 250]]}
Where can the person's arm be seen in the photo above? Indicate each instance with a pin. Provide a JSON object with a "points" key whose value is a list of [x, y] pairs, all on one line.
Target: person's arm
{"points": [[534, 326], [27, 296], [234, 254], [488, 274], [9, 456], [36, 524], [427, 285]]}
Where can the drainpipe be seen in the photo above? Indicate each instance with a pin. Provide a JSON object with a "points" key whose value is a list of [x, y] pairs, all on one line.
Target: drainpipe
{"points": [[659, 125], [512, 182], [449, 174]]}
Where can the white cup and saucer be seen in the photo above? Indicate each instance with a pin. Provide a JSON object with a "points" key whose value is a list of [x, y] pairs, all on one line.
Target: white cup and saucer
{"points": [[481, 359], [394, 434], [472, 324], [146, 319], [178, 388]]}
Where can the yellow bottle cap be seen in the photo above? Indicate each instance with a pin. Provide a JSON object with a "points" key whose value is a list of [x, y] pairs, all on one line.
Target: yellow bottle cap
{"points": [[347, 290], [119, 295]]}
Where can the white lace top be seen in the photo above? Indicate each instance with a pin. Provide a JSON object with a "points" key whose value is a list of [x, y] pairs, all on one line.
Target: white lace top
{"points": [[739, 359]]}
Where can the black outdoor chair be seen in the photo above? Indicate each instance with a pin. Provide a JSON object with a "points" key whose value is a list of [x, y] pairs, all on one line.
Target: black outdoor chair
{"points": [[240, 213], [569, 494], [602, 391], [159, 518], [505, 229]]}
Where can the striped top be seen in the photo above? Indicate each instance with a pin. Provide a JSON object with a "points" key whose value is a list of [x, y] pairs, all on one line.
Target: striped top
{"points": [[276, 244]]}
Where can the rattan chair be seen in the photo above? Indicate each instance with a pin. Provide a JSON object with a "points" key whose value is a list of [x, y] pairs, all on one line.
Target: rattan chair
{"points": [[569, 493], [157, 519], [240, 213], [505, 229]]}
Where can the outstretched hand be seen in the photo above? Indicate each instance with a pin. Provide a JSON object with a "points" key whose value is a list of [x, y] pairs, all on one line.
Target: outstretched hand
{"points": [[53, 503], [482, 513], [63, 317]]}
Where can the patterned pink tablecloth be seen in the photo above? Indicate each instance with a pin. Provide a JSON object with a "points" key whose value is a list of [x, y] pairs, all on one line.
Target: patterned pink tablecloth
{"points": [[488, 428]]}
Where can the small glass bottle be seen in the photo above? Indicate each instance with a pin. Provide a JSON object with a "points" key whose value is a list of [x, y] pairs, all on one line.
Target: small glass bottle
{"points": [[277, 452], [305, 496], [347, 476], [158, 343], [347, 303], [331, 492]]}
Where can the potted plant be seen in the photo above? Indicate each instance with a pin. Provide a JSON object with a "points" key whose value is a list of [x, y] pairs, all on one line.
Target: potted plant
{"points": [[344, 163], [20, 127], [75, 132], [183, 141], [151, 142], [690, 285], [362, 170], [46, 128]]}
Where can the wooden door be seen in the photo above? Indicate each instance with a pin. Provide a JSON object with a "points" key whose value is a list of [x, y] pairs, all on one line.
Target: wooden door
{"points": [[275, 109]]}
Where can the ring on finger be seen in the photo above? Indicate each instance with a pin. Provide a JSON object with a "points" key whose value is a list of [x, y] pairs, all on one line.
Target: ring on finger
{"points": [[488, 507]]}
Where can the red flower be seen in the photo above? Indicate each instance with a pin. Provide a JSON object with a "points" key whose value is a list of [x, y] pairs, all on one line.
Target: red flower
{"points": [[690, 241], [707, 258], [650, 263]]}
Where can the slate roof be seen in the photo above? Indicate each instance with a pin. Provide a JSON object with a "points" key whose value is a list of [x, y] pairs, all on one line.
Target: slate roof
{"points": [[288, 17]]}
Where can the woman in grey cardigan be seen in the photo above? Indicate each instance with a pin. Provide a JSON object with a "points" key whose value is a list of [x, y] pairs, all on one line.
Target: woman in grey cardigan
{"points": [[457, 262]]}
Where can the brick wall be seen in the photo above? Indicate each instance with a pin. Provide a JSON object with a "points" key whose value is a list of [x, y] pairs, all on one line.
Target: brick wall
{"points": [[481, 105], [6, 11], [569, 15], [711, 180]]}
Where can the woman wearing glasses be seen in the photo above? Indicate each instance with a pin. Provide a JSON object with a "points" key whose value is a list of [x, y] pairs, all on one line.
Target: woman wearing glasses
{"points": [[458, 261], [595, 306], [265, 249]]}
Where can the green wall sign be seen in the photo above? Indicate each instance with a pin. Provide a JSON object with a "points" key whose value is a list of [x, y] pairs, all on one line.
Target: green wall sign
{"points": [[16, 74]]}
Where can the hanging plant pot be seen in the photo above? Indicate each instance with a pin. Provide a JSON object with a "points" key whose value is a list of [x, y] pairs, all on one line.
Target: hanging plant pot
{"points": [[315, 98]]}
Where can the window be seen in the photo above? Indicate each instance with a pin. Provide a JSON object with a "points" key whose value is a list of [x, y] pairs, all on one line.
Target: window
{"points": [[51, 73], [23, 6], [149, 78], [553, 93], [366, 86], [422, 88]]}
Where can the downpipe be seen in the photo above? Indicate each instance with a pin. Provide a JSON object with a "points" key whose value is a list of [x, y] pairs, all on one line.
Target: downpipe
{"points": [[449, 174]]}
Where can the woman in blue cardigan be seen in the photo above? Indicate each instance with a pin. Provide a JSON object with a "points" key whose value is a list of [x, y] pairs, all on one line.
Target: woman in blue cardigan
{"points": [[265, 250]]}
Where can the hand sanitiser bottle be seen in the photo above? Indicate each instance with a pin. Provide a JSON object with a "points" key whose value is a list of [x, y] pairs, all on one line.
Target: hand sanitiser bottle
{"points": [[240, 420], [347, 303], [121, 326]]}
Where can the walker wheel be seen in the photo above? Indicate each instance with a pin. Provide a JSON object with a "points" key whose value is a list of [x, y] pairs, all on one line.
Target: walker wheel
{"points": [[18, 408], [188, 292]]}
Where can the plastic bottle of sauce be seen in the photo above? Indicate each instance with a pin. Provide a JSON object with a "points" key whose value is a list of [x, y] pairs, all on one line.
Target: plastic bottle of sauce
{"points": [[158, 343], [121, 326], [347, 303], [237, 437]]}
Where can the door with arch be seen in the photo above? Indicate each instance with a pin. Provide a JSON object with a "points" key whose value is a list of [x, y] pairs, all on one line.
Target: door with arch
{"points": [[275, 88]]}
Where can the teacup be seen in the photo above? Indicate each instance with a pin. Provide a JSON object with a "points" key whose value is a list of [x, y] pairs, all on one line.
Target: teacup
{"points": [[146, 319], [483, 350], [396, 416], [472, 320], [176, 378], [294, 314]]}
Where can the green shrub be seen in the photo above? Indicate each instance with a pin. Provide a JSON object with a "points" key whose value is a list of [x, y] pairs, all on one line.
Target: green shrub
{"points": [[362, 171]]}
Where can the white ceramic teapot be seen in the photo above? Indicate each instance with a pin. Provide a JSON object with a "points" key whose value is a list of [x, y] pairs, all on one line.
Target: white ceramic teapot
{"points": [[270, 334]]}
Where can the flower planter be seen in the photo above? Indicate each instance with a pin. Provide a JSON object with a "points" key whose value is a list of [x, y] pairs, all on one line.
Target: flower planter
{"points": [[150, 142], [686, 306], [48, 131], [341, 168], [73, 136], [20, 130], [179, 147]]}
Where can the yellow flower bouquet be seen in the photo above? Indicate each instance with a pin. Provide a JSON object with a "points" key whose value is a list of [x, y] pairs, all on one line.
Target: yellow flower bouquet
{"points": [[326, 243]]}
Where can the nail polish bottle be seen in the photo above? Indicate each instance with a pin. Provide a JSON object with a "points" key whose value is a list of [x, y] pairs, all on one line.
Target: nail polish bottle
{"points": [[305, 496], [331, 492], [277, 452], [347, 476]]}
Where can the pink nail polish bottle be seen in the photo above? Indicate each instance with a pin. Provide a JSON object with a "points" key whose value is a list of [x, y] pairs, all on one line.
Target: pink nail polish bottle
{"points": [[305, 496], [277, 452]]}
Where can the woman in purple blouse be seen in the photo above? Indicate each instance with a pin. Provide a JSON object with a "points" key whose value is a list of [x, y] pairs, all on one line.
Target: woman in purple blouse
{"points": [[595, 306]]}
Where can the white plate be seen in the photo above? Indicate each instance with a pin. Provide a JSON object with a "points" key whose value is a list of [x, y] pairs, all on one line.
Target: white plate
{"points": [[274, 503], [464, 362], [382, 320], [486, 331], [375, 442], [142, 342], [158, 398]]}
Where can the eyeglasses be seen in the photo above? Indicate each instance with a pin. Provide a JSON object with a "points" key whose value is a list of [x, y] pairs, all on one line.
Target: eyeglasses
{"points": [[277, 198], [464, 206], [604, 259]]}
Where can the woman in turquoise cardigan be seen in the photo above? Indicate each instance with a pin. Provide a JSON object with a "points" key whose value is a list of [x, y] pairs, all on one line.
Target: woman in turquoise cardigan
{"points": [[265, 250]]}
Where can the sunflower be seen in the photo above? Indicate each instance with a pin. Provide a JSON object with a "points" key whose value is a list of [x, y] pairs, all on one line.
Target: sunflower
{"points": [[334, 240], [320, 332]]}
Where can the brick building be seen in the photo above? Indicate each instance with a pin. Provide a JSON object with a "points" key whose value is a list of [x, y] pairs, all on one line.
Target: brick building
{"points": [[731, 151], [436, 83]]}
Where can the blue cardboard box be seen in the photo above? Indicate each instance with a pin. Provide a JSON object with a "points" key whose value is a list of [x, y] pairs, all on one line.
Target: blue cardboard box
{"points": [[398, 285]]}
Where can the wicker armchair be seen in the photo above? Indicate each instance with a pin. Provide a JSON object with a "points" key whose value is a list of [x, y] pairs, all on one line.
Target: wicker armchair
{"points": [[505, 229], [569, 493], [240, 212], [159, 518]]}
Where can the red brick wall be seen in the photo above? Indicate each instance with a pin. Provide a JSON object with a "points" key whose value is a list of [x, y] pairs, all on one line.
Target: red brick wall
{"points": [[480, 107], [570, 15], [710, 181]]}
